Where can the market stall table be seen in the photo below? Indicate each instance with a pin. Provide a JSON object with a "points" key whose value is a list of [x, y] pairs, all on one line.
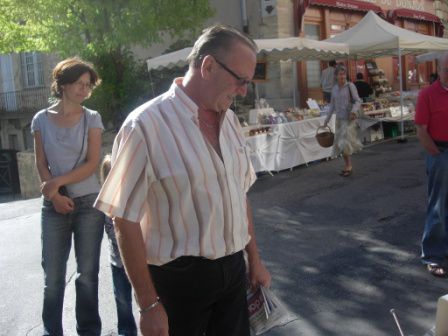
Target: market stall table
{"points": [[288, 145]]}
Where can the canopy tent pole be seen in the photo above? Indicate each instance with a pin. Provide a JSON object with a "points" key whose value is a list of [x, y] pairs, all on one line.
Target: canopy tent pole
{"points": [[257, 94], [294, 79], [152, 84], [400, 76]]}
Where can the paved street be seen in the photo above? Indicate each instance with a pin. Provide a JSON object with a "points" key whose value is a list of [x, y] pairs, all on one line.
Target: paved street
{"points": [[342, 251]]}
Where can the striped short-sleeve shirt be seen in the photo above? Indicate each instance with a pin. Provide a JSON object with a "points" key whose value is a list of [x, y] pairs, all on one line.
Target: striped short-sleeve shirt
{"points": [[169, 179]]}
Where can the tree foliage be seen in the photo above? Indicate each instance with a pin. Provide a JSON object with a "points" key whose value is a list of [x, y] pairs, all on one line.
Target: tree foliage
{"points": [[95, 26], [103, 32]]}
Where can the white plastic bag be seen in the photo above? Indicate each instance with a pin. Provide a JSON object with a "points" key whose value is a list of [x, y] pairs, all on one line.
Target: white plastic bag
{"points": [[266, 311]]}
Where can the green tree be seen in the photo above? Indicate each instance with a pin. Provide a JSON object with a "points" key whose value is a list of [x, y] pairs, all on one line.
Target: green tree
{"points": [[103, 32]]}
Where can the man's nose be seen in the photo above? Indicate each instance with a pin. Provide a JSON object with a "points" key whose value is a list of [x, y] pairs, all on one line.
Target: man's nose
{"points": [[242, 90]]}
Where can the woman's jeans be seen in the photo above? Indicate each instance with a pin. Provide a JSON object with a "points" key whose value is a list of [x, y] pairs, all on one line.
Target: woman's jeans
{"points": [[123, 299], [85, 224], [435, 235]]}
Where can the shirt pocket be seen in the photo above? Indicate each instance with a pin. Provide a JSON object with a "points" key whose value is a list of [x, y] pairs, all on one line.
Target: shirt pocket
{"points": [[244, 165]]}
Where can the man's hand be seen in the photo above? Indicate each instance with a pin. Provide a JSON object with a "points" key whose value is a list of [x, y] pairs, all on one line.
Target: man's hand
{"points": [[62, 204], [154, 322], [352, 116], [258, 275]]}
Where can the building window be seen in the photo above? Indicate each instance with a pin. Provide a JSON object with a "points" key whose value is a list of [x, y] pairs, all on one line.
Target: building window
{"points": [[313, 71], [32, 69]]}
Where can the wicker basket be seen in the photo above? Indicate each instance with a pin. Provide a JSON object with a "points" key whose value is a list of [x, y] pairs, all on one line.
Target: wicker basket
{"points": [[326, 138]]}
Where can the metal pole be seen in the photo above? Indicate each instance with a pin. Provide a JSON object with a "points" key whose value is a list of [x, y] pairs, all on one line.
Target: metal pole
{"points": [[392, 311], [400, 73], [294, 79], [152, 84]]}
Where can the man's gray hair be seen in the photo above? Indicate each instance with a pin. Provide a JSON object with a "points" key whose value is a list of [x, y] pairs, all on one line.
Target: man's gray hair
{"points": [[339, 68], [217, 40]]}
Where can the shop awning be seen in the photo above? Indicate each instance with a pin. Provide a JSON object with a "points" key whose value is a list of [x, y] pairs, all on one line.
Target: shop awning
{"points": [[411, 14], [352, 5]]}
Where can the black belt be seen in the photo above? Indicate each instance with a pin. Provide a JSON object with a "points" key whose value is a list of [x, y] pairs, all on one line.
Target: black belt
{"points": [[443, 144]]}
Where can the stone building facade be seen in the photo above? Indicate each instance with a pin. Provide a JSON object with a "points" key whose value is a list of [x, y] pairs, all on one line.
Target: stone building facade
{"points": [[441, 8], [24, 89]]}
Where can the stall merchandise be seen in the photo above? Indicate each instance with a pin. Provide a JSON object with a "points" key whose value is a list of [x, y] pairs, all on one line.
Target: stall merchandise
{"points": [[379, 118], [377, 79], [287, 145], [268, 116]]}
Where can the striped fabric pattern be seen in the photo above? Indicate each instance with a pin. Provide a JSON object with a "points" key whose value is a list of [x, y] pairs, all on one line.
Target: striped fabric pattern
{"points": [[167, 177]]}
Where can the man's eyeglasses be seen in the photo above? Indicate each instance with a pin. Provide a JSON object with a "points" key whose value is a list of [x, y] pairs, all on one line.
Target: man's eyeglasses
{"points": [[241, 81]]}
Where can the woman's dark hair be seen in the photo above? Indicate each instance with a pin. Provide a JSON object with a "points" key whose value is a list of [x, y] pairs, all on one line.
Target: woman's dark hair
{"points": [[216, 40], [68, 71]]}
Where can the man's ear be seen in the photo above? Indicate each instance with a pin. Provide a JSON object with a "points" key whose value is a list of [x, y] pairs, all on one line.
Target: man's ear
{"points": [[207, 66]]}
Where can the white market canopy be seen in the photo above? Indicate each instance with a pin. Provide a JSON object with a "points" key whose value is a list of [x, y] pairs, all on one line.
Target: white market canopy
{"points": [[280, 49], [374, 37], [428, 57]]}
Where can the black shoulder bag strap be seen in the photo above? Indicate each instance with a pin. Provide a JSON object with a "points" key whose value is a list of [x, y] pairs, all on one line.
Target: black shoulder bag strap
{"points": [[63, 189]]}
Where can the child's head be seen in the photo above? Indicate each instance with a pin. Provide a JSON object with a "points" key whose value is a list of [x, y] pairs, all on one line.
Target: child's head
{"points": [[105, 168]]}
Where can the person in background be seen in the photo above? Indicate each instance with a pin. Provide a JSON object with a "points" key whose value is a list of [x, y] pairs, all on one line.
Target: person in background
{"points": [[345, 103], [122, 286], [177, 193], [67, 145], [433, 77], [364, 89], [327, 80], [431, 119]]}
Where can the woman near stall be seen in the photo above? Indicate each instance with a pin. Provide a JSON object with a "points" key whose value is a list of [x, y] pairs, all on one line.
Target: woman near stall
{"points": [[67, 142], [345, 103]]}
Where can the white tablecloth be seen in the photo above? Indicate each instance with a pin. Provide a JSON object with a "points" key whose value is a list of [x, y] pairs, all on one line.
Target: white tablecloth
{"points": [[288, 145]]}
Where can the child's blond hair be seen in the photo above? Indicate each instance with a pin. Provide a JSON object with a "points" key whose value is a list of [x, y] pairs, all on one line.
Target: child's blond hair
{"points": [[105, 168]]}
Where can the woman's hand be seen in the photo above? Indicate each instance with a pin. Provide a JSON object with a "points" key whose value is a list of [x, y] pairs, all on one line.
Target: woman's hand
{"points": [[50, 188], [62, 204]]}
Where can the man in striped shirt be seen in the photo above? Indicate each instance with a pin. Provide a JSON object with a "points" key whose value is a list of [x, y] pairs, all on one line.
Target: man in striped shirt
{"points": [[177, 192]]}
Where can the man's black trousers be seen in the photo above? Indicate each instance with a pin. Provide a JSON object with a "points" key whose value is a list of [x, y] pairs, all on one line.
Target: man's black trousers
{"points": [[203, 296]]}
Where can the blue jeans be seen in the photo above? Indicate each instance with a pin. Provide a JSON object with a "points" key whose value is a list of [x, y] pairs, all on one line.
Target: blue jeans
{"points": [[85, 224], [123, 299], [435, 235]]}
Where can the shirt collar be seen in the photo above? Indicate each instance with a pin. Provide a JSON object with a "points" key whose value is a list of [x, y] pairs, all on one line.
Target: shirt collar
{"points": [[177, 91]]}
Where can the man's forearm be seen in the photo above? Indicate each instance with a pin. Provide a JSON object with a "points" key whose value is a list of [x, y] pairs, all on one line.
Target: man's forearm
{"points": [[426, 141], [258, 274], [132, 250], [251, 248]]}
